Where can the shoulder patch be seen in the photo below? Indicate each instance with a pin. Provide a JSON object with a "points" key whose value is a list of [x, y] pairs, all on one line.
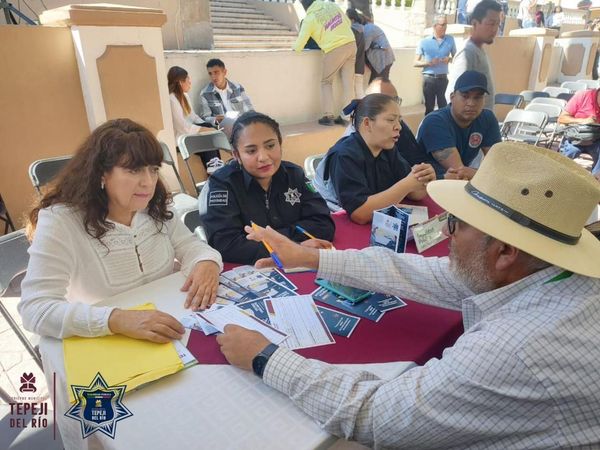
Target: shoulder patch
{"points": [[218, 198]]}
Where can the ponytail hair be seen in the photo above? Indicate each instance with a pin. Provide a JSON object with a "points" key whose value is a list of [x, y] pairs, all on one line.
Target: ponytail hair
{"points": [[369, 106], [176, 75]]}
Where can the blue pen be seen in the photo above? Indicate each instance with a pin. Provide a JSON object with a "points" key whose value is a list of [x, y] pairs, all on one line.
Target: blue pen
{"points": [[304, 232]]}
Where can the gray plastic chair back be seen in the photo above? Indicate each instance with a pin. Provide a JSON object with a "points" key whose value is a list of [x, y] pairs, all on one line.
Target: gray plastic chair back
{"points": [[13, 264], [310, 165], [513, 100], [565, 96], [524, 126], [550, 101], [168, 159], [42, 171], [13, 248], [573, 86], [192, 220], [190, 144], [553, 111], [590, 84], [530, 95], [553, 91]]}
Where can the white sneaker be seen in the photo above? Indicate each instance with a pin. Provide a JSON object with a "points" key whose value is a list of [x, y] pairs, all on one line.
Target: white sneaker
{"points": [[213, 165]]}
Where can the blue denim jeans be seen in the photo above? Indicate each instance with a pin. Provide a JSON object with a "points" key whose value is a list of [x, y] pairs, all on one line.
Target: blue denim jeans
{"points": [[573, 151]]}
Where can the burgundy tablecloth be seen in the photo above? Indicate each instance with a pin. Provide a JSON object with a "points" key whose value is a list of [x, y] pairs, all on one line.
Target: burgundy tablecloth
{"points": [[414, 333]]}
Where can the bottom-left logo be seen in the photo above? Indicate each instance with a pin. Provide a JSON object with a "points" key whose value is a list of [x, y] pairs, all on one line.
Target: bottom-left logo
{"points": [[98, 407]]}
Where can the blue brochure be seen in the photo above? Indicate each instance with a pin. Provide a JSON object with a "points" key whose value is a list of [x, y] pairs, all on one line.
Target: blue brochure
{"points": [[362, 309], [390, 229], [338, 322], [257, 307], [278, 277]]}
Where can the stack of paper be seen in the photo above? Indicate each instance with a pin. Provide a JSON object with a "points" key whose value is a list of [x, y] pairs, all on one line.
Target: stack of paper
{"points": [[121, 360]]}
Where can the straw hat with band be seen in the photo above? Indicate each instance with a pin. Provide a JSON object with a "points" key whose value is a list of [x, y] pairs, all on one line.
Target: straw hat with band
{"points": [[531, 198]]}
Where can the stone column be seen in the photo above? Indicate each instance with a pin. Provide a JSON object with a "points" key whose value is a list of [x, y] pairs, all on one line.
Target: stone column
{"points": [[542, 55], [120, 56], [579, 50]]}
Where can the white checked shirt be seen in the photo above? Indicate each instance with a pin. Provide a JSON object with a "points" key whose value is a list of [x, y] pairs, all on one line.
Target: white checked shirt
{"points": [[525, 374]]}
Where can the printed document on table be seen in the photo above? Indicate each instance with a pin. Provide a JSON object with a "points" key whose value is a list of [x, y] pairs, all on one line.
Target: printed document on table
{"points": [[232, 315], [299, 318]]}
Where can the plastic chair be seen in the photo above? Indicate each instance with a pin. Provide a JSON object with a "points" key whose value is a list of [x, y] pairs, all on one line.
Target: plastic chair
{"points": [[5, 217], [13, 264], [590, 84], [553, 91], [552, 127], [42, 171], [513, 100], [574, 86], [192, 144], [182, 201], [550, 101], [565, 96], [310, 165], [530, 95], [524, 126], [192, 220]]}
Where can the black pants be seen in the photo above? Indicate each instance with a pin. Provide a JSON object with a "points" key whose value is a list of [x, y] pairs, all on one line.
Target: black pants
{"points": [[434, 88]]}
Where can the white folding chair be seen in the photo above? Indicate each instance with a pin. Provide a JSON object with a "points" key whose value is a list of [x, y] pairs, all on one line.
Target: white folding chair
{"points": [[190, 144], [310, 165], [193, 221], [524, 126], [555, 90], [550, 101], [552, 126], [590, 84], [573, 86], [182, 201]]}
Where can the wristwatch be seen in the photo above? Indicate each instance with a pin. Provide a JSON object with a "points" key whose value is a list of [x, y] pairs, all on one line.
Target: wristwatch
{"points": [[260, 361]]}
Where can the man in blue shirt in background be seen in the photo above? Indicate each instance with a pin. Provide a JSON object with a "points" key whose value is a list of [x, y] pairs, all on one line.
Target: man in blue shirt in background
{"points": [[460, 134], [433, 55]]}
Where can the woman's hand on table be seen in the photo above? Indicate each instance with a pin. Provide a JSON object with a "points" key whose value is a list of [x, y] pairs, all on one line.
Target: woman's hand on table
{"points": [[240, 345], [150, 325], [290, 253], [201, 285]]}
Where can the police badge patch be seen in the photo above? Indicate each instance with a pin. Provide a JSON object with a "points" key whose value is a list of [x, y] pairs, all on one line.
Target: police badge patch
{"points": [[292, 196], [98, 407]]}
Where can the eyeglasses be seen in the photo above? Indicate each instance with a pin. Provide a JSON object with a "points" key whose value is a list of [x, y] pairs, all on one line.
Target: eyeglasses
{"points": [[397, 100], [451, 224]]}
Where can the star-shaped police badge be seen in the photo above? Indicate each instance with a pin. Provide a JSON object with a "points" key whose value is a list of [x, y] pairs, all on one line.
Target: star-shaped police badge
{"points": [[98, 407], [292, 196]]}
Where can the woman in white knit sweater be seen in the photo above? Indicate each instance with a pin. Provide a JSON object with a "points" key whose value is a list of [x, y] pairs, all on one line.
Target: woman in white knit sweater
{"points": [[103, 228]]}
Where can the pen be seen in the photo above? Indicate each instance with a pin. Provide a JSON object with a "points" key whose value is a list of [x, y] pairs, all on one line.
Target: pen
{"points": [[269, 249], [303, 231]]}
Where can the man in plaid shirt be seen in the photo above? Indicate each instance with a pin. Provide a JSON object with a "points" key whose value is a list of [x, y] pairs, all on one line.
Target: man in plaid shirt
{"points": [[525, 274], [221, 95]]}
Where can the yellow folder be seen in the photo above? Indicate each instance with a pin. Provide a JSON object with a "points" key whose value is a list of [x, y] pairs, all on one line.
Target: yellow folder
{"points": [[121, 360]]}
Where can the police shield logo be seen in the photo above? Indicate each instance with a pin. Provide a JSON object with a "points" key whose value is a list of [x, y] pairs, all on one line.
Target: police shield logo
{"points": [[98, 407], [475, 140], [292, 196]]}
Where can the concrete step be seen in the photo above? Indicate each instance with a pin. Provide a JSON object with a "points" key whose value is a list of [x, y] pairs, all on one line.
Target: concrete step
{"points": [[252, 21], [249, 26], [228, 2], [244, 45], [235, 35], [233, 8], [241, 17]]}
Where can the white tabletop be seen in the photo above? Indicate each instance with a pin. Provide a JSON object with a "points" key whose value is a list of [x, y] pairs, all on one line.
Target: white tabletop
{"points": [[205, 406]]}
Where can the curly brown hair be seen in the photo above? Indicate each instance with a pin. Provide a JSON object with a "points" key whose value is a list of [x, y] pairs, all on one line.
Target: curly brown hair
{"points": [[118, 142]]}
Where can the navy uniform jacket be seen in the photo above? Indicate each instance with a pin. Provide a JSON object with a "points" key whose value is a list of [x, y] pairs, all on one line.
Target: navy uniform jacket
{"points": [[235, 199], [355, 174]]}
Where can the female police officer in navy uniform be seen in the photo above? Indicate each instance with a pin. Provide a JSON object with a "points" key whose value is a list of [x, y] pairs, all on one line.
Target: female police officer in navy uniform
{"points": [[259, 187]]}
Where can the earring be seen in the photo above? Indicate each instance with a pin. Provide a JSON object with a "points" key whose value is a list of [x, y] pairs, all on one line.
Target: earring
{"points": [[102, 184]]}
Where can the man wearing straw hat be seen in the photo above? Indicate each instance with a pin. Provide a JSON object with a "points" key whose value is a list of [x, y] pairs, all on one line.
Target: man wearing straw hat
{"points": [[523, 271]]}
